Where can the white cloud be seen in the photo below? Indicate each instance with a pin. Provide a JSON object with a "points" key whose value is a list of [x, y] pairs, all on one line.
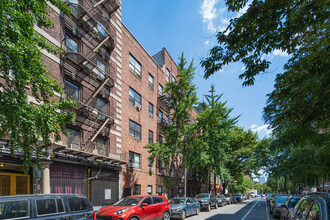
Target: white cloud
{"points": [[280, 53], [225, 21], [262, 130], [243, 69], [209, 13], [243, 10], [207, 42]]}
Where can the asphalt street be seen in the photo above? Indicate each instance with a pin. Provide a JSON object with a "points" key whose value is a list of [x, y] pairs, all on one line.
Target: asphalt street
{"points": [[251, 209]]}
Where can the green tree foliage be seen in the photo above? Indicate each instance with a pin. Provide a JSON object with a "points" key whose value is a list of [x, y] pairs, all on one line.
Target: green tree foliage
{"points": [[242, 185], [180, 144], [29, 126], [298, 27], [215, 124]]}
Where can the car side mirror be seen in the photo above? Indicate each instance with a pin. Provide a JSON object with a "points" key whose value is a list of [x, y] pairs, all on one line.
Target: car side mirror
{"points": [[144, 204]]}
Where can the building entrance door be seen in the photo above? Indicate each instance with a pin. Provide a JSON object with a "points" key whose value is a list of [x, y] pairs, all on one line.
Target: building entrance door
{"points": [[14, 184]]}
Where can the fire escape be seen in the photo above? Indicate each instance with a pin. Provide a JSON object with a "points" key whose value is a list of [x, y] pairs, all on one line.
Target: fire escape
{"points": [[89, 63], [163, 106]]}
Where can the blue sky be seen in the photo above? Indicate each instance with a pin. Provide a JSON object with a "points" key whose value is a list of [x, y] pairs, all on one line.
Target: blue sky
{"points": [[190, 26]]}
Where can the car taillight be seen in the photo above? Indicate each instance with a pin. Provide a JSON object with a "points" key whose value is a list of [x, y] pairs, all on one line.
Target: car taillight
{"points": [[94, 215]]}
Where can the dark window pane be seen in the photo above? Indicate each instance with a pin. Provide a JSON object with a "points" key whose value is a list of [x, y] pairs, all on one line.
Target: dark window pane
{"points": [[14, 209], [77, 204], [71, 91], [46, 206], [60, 207]]}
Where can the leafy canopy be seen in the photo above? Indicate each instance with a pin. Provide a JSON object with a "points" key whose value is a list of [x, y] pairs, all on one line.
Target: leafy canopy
{"points": [[30, 126]]}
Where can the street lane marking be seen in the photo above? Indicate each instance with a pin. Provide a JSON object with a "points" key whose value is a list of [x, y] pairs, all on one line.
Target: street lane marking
{"points": [[250, 210], [267, 211]]}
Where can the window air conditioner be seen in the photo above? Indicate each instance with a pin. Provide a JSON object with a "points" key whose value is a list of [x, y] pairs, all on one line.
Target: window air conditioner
{"points": [[75, 146]]}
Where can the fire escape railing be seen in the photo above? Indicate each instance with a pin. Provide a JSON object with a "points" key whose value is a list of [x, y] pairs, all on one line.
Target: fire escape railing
{"points": [[96, 42]]}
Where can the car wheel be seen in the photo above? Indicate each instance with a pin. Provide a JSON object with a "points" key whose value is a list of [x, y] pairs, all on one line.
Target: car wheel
{"points": [[197, 211], [134, 218], [183, 215], [209, 207], [166, 215]]}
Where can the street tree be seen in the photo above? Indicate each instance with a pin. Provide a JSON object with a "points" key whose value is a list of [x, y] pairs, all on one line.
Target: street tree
{"points": [[180, 136], [297, 27], [30, 126], [214, 125]]}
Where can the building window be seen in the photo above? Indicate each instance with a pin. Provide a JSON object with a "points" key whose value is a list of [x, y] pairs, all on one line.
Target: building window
{"points": [[71, 46], [160, 90], [102, 146], [137, 189], [71, 90], [134, 66], [160, 116], [151, 110], [134, 130], [151, 137], [167, 119], [160, 166], [135, 160], [101, 29], [149, 190], [134, 98], [102, 107], [150, 161], [151, 82], [160, 190], [167, 75], [73, 138], [160, 138], [100, 69], [173, 78]]}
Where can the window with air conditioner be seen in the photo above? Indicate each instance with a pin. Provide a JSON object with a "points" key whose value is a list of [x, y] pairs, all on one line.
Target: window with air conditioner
{"points": [[73, 138], [134, 130], [149, 190], [71, 90], [134, 66], [134, 160], [134, 98]]}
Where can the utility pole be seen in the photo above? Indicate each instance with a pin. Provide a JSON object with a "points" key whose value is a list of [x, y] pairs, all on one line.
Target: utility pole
{"points": [[185, 182]]}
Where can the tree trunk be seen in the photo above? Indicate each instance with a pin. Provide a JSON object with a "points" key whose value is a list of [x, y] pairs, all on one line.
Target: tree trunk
{"points": [[215, 184], [185, 182]]}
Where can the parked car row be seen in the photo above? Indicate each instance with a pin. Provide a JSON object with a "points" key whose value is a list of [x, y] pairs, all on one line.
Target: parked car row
{"points": [[315, 206], [69, 206]]}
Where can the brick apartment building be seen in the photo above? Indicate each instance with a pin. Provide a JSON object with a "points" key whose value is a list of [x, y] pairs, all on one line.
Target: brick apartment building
{"points": [[121, 105]]}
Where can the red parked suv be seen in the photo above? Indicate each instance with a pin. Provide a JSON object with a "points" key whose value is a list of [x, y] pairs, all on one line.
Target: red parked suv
{"points": [[137, 208]]}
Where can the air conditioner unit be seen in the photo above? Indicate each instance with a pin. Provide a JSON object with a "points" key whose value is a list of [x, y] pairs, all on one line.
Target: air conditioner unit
{"points": [[137, 106], [131, 165], [151, 169], [75, 146]]}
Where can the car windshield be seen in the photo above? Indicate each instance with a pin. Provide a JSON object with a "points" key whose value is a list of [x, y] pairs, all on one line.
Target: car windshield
{"points": [[129, 201], [281, 199], [177, 201], [293, 202], [203, 196], [227, 195]]}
